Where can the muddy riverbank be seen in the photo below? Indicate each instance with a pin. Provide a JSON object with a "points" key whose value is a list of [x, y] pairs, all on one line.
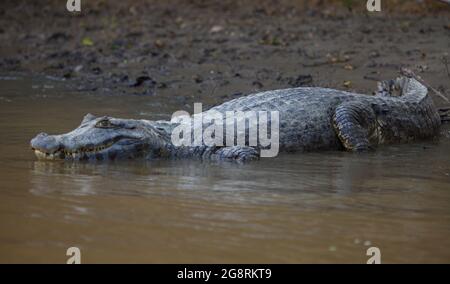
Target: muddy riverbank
{"points": [[211, 51]]}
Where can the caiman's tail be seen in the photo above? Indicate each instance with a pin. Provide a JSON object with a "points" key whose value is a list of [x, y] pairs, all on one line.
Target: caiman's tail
{"points": [[444, 113]]}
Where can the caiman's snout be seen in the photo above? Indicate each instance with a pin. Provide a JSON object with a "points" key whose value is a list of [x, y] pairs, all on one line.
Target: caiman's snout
{"points": [[95, 139], [44, 145]]}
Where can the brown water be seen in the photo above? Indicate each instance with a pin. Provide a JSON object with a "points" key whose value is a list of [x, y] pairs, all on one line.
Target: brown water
{"points": [[315, 208]]}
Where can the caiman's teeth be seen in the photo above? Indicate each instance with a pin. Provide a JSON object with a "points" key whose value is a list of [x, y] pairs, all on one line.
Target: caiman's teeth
{"points": [[74, 154]]}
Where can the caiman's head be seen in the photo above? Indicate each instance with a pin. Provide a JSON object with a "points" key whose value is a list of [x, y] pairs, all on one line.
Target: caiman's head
{"points": [[101, 138]]}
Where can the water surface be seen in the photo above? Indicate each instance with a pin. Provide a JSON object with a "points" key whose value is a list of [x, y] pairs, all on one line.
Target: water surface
{"points": [[309, 207]]}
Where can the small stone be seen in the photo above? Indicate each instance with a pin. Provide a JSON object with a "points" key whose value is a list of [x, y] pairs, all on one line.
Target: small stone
{"points": [[133, 10], [347, 84], [197, 79], [159, 43], [179, 21], [257, 84], [348, 67], [216, 29]]}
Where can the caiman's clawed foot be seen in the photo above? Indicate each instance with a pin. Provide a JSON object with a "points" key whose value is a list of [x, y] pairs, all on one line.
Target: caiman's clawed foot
{"points": [[236, 153]]}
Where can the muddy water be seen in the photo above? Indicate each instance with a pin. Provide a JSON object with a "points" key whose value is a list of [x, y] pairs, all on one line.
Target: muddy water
{"points": [[317, 207]]}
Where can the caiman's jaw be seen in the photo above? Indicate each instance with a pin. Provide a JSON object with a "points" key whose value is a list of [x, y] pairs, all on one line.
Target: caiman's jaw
{"points": [[83, 153], [96, 139]]}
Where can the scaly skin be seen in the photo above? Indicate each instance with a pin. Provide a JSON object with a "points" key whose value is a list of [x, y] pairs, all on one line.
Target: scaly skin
{"points": [[311, 119]]}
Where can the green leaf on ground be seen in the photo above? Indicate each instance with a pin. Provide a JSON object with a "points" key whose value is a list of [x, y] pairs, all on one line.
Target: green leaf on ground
{"points": [[87, 41]]}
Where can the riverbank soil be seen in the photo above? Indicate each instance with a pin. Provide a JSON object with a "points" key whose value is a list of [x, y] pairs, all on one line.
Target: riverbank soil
{"points": [[212, 51]]}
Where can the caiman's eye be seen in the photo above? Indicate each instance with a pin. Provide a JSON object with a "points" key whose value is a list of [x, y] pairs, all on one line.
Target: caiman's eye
{"points": [[105, 123]]}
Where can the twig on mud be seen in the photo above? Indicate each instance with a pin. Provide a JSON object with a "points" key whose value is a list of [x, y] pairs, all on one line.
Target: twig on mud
{"points": [[445, 61], [326, 62], [409, 73], [213, 90], [444, 113], [366, 77], [316, 64]]}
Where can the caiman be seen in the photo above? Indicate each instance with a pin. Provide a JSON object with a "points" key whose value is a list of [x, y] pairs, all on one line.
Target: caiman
{"points": [[310, 119]]}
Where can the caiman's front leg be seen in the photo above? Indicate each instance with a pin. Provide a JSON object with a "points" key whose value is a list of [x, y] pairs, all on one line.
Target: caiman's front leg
{"points": [[355, 125], [235, 153]]}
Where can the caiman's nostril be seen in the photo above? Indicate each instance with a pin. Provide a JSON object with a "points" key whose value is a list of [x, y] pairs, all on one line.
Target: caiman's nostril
{"points": [[45, 142]]}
